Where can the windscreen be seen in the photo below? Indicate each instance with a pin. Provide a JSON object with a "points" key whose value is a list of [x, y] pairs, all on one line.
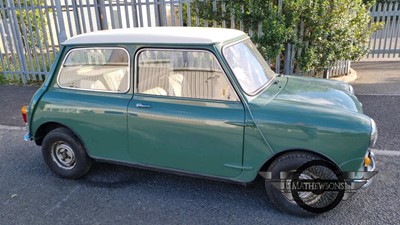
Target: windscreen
{"points": [[248, 65]]}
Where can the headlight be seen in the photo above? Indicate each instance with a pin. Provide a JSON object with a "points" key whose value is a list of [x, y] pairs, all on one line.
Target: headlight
{"points": [[374, 133]]}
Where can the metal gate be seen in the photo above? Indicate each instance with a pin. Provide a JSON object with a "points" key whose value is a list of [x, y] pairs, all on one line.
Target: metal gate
{"points": [[31, 30], [385, 43]]}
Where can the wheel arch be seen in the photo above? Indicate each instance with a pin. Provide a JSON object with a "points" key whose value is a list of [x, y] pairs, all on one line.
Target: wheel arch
{"points": [[269, 161], [45, 128]]}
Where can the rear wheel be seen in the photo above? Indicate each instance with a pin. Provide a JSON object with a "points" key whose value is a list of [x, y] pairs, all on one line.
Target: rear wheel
{"points": [[65, 155], [307, 166]]}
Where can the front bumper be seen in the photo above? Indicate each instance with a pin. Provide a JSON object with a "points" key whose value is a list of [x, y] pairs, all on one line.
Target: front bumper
{"points": [[365, 176], [370, 168]]}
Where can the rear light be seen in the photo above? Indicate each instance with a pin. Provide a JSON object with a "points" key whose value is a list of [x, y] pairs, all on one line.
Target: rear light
{"points": [[24, 112]]}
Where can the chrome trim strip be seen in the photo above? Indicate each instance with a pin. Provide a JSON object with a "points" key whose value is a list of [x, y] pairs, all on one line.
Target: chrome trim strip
{"points": [[239, 167], [374, 133]]}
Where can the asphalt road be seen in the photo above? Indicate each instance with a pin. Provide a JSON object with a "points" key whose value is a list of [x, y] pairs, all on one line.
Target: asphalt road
{"points": [[378, 89], [31, 194], [12, 98], [109, 194]]}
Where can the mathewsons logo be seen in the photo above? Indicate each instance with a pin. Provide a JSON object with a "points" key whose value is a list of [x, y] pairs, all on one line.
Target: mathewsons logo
{"points": [[318, 186]]}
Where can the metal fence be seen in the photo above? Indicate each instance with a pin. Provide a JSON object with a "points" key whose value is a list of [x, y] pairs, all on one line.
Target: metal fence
{"points": [[30, 34], [385, 43]]}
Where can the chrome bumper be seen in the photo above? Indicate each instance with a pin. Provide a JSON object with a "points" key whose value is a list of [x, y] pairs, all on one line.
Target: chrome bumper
{"points": [[370, 168]]}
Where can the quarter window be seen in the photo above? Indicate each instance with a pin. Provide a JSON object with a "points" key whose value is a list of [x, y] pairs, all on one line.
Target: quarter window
{"points": [[182, 73], [97, 69]]}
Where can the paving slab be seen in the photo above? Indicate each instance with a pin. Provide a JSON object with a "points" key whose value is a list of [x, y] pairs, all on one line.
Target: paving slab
{"points": [[377, 78]]}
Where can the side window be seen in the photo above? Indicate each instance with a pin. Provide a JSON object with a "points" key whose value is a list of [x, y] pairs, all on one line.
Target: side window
{"points": [[96, 69], [182, 73]]}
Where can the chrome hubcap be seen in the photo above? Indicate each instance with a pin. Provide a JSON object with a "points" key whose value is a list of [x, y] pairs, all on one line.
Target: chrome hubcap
{"points": [[63, 155], [308, 197], [316, 199]]}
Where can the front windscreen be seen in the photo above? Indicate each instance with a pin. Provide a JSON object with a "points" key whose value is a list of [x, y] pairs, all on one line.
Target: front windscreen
{"points": [[248, 65]]}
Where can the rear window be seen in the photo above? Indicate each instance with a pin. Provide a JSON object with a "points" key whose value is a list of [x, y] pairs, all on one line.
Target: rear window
{"points": [[96, 69]]}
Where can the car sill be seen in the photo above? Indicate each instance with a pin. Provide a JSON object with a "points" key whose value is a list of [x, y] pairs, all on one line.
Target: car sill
{"points": [[174, 171]]}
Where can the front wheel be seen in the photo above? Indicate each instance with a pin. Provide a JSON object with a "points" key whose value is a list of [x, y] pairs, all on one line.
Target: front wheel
{"points": [[65, 155], [296, 170]]}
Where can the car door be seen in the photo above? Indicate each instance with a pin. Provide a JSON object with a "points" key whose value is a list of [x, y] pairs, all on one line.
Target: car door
{"points": [[91, 98], [184, 114]]}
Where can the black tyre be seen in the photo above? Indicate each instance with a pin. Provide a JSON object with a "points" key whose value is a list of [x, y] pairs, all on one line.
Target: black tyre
{"points": [[305, 203], [65, 155]]}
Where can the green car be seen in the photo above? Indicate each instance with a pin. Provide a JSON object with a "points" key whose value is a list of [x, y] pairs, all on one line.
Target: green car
{"points": [[200, 102]]}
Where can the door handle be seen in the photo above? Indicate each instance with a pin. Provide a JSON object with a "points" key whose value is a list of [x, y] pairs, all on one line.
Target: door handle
{"points": [[140, 105]]}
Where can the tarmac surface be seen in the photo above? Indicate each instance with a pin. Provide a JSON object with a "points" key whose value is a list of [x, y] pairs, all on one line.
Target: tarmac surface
{"points": [[378, 89], [12, 98], [31, 194]]}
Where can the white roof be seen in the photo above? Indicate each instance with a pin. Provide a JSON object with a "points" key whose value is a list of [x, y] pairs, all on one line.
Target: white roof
{"points": [[168, 35]]}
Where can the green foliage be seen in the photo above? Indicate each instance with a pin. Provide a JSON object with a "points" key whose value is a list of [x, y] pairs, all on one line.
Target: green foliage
{"points": [[333, 30], [3, 79], [31, 24], [8, 73], [30, 21], [323, 31]]}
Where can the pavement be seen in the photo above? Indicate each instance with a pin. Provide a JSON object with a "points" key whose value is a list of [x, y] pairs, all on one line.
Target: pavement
{"points": [[12, 98], [110, 194]]}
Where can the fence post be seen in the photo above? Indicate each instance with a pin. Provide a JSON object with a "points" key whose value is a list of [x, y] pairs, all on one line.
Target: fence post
{"points": [[102, 15], [18, 44], [158, 12], [278, 58], [348, 65], [76, 17], [287, 63], [62, 36], [326, 74]]}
